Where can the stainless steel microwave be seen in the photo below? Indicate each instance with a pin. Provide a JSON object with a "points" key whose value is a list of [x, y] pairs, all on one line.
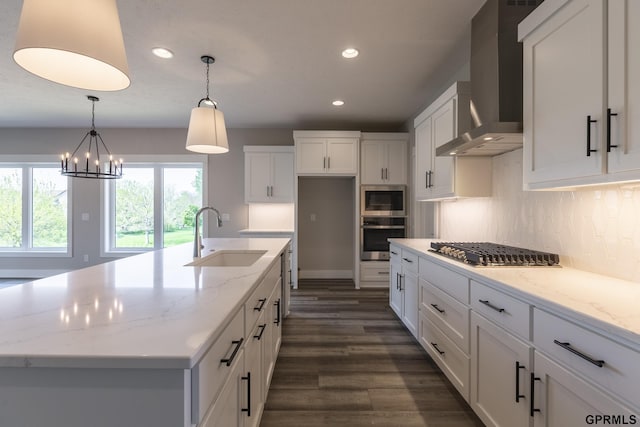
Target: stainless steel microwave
{"points": [[383, 200]]}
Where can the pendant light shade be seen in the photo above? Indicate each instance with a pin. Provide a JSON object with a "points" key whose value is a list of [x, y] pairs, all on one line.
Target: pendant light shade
{"points": [[207, 132], [76, 43]]}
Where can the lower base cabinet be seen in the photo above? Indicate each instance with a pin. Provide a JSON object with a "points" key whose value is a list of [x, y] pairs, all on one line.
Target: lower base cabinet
{"points": [[227, 409], [561, 399], [500, 371]]}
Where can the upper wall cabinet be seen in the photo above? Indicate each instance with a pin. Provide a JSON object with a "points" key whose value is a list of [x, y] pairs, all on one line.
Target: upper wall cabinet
{"points": [[326, 152], [581, 93], [383, 158], [447, 177], [268, 174]]}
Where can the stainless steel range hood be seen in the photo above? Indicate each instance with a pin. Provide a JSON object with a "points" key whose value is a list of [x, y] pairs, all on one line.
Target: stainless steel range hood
{"points": [[496, 81]]}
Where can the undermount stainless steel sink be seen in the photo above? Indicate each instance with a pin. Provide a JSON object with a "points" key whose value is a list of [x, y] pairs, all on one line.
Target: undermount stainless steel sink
{"points": [[228, 258]]}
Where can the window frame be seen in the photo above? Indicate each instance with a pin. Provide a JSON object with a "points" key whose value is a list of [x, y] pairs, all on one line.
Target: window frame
{"points": [[156, 162], [27, 163]]}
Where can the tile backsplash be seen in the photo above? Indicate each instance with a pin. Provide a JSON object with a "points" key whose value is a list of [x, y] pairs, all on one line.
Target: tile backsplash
{"points": [[596, 230]]}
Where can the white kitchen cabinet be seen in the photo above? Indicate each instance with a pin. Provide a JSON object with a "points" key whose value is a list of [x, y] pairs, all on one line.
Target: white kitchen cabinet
{"points": [[254, 375], [326, 153], [403, 287], [374, 273], [274, 321], [445, 177], [500, 371], [562, 399], [581, 61], [228, 409], [268, 174], [383, 158]]}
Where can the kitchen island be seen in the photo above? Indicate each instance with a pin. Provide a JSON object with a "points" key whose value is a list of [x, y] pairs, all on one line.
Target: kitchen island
{"points": [[128, 342]]}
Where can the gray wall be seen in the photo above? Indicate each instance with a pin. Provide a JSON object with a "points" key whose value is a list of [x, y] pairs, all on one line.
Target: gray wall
{"points": [[326, 244], [225, 180]]}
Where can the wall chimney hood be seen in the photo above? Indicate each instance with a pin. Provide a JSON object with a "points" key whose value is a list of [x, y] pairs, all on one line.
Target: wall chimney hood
{"points": [[496, 81]]}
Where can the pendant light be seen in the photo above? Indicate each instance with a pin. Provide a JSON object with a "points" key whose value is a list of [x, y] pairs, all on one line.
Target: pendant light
{"points": [[207, 132], [76, 43], [97, 161]]}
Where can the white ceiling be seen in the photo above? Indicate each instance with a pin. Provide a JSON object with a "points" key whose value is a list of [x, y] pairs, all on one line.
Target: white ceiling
{"points": [[278, 64]]}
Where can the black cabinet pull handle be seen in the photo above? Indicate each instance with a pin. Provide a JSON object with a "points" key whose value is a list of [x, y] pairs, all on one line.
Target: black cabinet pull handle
{"points": [[532, 407], [567, 346], [260, 305], [518, 395], [248, 408], [441, 311], [277, 304], [290, 277], [426, 179], [407, 259], [229, 360], [262, 328], [400, 282], [589, 150], [609, 115], [435, 345], [394, 253], [488, 304]]}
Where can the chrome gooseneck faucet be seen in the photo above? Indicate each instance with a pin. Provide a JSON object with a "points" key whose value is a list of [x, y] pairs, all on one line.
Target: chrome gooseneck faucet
{"points": [[197, 242]]}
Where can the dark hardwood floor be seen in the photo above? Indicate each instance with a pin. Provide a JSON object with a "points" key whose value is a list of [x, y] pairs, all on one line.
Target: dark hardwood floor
{"points": [[346, 360]]}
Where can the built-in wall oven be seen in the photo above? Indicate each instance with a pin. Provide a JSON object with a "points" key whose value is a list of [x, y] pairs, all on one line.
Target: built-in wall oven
{"points": [[382, 217], [374, 234]]}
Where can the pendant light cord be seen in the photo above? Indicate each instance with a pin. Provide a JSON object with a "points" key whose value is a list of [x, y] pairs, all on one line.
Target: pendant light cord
{"points": [[207, 80]]}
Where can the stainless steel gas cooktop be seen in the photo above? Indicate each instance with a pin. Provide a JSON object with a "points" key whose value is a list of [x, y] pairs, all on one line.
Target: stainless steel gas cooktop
{"points": [[494, 255]]}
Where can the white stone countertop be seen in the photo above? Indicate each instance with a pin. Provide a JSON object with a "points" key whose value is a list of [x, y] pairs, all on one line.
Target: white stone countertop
{"points": [[145, 311], [266, 231], [607, 304]]}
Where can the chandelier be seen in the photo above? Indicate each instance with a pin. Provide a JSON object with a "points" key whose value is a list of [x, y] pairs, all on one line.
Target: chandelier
{"points": [[97, 161]]}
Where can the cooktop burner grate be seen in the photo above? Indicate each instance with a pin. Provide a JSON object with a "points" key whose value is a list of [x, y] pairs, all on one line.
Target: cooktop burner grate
{"points": [[493, 254]]}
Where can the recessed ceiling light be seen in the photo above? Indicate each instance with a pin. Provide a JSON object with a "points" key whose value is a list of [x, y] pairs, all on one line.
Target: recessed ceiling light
{"points": [[162, 52], [338, 103], [350, 53]]}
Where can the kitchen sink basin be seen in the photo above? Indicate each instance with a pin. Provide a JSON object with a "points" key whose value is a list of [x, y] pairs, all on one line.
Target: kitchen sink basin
{"points": [[228, 258]]}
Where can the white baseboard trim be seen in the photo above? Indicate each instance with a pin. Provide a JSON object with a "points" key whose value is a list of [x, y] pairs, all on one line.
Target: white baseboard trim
{"points": [[325, 274], [29, 274]]}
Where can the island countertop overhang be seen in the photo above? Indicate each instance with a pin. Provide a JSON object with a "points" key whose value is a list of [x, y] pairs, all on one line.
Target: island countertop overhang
{"points": [[144, 311]]}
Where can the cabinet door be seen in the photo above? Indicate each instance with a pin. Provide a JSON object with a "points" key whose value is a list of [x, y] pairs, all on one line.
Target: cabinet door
{"points": [[282, 178], [311, 156], [423, 160], [444, 130], [563, 86], [372, 170], [561, 399], [227, 409], [395, 295], [396, 167], [342, 156], [257, 177], [254, 374], [410, 289], [624, 85], [496, 380]]}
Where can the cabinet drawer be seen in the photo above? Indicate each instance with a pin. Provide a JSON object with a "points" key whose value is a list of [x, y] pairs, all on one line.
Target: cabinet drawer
{"points": [[257, 302], [619, 372], [374, 271], [451, 316], [394, 253], [409, 262], [503, 309], [448, 281], [209, 375], [453, 362]]}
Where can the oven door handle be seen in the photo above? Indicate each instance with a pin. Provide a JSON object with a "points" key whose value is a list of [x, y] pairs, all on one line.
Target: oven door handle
{"points": [[383, 227]]}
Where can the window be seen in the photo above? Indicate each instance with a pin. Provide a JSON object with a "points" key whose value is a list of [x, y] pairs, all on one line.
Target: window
{"points": [[152, 206], [34, 206]]}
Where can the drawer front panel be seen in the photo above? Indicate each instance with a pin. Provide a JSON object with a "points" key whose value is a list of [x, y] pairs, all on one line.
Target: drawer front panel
{"points": [[409, 262], [395, 254], [374, 271], [503, 309], [582, 351], [451, 316], [448, 281], [453, 362], [210, 374], [257, 302]]}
